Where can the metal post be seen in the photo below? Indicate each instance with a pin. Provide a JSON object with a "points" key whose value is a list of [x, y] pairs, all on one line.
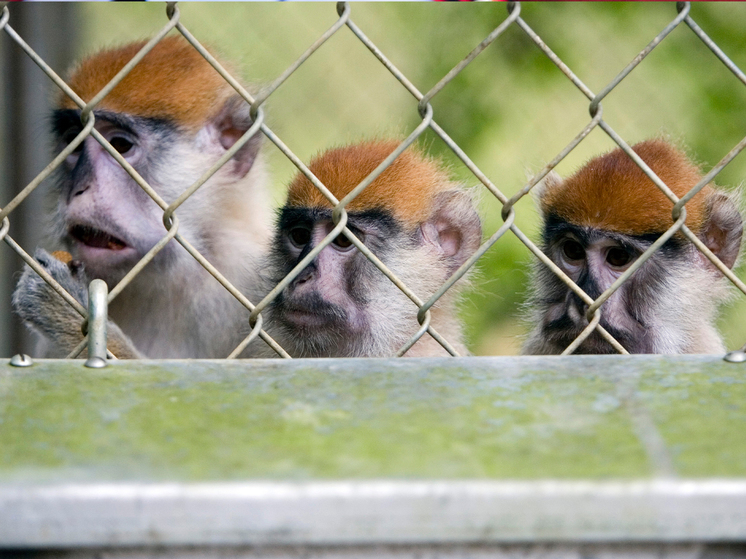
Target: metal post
{"points": [[97, 319], [52, 30]]}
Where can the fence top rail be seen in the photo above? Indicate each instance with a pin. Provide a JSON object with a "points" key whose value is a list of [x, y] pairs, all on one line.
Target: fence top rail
{"points": [[585, 417], [378, 451]]}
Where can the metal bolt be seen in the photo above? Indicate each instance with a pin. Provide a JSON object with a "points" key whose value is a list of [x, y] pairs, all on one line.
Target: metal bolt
{"points": [[21, 360], [738, 356], [97, 317], [95, 363]]}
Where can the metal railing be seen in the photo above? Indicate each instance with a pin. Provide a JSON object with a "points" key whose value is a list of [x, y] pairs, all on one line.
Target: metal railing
{"points": [[428, 122]]}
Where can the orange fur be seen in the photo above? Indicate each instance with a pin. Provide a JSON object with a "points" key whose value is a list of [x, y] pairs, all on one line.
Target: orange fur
{"points": [[406, 188], [63, 256], [173, 81], [612, 193]]}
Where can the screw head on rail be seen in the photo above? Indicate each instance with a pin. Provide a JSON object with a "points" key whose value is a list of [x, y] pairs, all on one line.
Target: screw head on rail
{"points": [[21, 360], [738, 356]]}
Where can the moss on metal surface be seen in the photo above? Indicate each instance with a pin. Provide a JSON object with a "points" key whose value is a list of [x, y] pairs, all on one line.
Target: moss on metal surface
{"points": [[439, 418], [701, 416]]}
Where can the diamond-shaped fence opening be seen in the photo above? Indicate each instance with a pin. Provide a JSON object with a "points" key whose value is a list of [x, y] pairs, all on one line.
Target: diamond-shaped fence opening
{"points": [[428, 122]]}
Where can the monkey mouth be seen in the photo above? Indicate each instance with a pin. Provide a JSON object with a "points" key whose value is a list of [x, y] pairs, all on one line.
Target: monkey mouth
{"points": [[563, 332], [95, 238], [303, 319], [310, 313]]}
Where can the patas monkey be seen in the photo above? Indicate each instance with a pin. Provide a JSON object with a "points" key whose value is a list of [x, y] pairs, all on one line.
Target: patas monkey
{"points": [[418, 222], [171, 118], [595, 225]]}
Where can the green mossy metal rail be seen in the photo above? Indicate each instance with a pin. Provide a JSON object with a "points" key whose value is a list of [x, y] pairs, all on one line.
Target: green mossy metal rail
{"points": [[594, 448]]}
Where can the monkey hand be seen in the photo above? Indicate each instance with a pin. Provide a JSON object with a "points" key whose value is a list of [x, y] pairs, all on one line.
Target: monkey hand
{"points": [[43, 309], [46, 312]]}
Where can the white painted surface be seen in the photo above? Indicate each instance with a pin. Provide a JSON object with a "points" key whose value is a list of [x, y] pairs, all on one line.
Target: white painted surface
{"points": [[371, 513]]}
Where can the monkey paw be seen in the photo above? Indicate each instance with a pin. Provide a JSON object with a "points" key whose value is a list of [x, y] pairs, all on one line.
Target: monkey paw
{"points": [[40, 306]]}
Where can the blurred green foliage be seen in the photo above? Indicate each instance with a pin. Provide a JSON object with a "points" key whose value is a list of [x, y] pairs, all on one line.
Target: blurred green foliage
{"points": [[511, 110]]}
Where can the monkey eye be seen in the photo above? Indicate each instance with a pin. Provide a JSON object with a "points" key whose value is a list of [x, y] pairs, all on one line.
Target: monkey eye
{"points": [[122, 145], [618, 257], [69, 136], [573, 250], [342, 241], [300, 236]]}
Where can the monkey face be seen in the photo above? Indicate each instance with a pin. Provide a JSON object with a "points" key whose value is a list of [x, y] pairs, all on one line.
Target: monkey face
{"points": [[328, 304], [594, 260], [105, 218]]}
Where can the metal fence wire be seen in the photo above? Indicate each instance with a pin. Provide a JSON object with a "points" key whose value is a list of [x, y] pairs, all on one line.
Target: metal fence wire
{"points": [[344, 24]]}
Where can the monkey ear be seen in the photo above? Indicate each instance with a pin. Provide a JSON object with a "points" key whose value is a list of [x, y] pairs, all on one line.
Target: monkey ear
{"points": [[454, 228], [551, 181], [229, 125], [723, 229]]}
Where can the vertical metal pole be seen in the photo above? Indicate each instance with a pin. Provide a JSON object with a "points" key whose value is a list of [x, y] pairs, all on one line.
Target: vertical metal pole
{"points": [[97, 319], [6, 257], [51, 30]]}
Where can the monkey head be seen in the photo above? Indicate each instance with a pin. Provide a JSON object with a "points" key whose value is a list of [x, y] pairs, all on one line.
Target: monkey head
{"points": [[171, 118], [417, 222], [597, 223]]}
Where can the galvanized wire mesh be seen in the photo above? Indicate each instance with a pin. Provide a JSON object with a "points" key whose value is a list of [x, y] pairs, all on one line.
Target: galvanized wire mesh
{"points": [[428, 121]]}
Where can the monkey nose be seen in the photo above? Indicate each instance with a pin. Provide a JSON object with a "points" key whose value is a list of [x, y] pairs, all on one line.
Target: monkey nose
{"points": [[577, 309], [79, 189], [304, 277]]}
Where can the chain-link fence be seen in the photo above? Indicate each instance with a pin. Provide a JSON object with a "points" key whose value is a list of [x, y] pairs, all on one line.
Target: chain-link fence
{"points": [[428, 123]]}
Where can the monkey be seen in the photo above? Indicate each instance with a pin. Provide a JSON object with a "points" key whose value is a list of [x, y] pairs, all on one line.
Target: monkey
{"points": [[418, 222], [597, 222], [171, 118]]}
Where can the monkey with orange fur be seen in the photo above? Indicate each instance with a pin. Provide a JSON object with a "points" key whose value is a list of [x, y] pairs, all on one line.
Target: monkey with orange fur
{"points": [[171, 118], [418, 222], [597, 223]]}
